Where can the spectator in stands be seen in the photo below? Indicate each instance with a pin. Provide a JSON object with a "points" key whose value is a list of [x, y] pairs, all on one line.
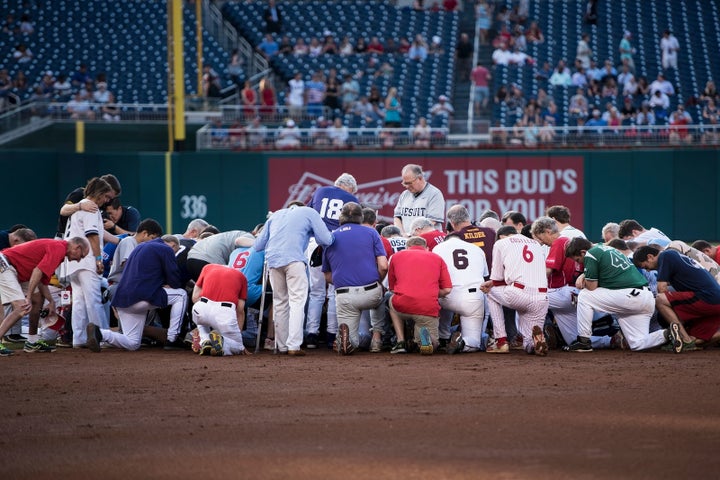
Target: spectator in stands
{"points": [[421, 133], [710, 92], [20, 81], [338, 134], [80, 77], [315, 47], [579, 79], [531, 113], [268, 97], [608, 71], [268, 48], [518, 38], [609, 89], [435, 47], [711, 133], [286, 46], [710, 111], [531, 134], [315, 94], [463, 56], [374, 98], [662, 85], [102, 94], [332, 92], [643, 87], [346, 47], [390, 46], [273, 18], [534, 34], [375, 46], [392, 109], [595, 72], [501, 95], [583, 53], [110, 110], [503, 36], [26, 25], [596, 122], [234, 68], [300, 47], [404, 46], [296, 95], [319, 132], [22, 54], [211, 82], [561, 75], [288, 136], [450, 5], [480, 77], [483, 20], [501, 55], [518, 57], [516, 101], [591, 13], [660, 100], [256, 133], [418, 49], [627, 50], [547, 133], [360, 45], [550, 114], [329, 46], [349, 90], [628, 110], [543, 74], [679, 133], [248, 99], [366, 110], [442, 111], [669, 46], [645, 117], [79, 108]]}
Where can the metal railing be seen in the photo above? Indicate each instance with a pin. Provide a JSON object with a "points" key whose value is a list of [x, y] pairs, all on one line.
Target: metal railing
{"points": [[275, 115], [59, 112], [211, 137]]}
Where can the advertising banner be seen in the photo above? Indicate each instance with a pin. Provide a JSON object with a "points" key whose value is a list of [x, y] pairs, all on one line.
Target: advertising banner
{"points": [[528, 184]]}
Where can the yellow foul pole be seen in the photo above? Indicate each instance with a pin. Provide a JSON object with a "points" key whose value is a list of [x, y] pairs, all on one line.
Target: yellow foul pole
{"points": [[199, 37]]}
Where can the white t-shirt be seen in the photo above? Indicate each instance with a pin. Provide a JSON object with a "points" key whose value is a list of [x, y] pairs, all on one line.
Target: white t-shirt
{"points": [[669, 45], [519, 259], [297, 92]]}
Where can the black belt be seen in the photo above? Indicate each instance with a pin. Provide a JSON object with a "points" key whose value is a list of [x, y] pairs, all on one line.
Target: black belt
{"points": [[347, 289], [222, 304], [472, 290]]}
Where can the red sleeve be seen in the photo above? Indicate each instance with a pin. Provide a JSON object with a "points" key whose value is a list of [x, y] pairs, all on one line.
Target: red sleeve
{"points": [[201, 278], [556, 255], [388, 248], [243, 287]]}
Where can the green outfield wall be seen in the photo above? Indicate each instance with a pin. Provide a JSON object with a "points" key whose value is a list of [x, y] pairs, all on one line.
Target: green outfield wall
{"points": [[676, 191]]}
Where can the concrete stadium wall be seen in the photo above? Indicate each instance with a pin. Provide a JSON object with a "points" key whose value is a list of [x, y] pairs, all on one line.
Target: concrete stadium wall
{"points": [[673, 190]]}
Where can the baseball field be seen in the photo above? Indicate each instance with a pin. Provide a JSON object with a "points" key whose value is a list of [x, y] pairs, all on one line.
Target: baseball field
{"points": [[155, 414]]}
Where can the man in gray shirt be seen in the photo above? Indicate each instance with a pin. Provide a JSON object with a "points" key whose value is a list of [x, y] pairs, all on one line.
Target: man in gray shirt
{"points": [[420, 199]]}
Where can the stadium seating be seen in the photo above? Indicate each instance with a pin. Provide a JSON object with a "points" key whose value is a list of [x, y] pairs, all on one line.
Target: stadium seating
{"points": [[693, 22], [125, 40], [419, 85]]}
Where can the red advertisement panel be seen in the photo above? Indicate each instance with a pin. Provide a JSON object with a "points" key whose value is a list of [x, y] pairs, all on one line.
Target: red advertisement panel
{"points": [[501, 183]]}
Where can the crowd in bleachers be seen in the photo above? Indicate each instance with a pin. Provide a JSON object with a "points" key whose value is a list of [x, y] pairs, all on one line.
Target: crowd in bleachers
{"points": [[577, 63]]}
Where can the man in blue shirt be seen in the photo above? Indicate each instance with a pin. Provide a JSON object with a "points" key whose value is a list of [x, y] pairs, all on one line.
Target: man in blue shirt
{"points": [[151, 280], [284, 240], [328, 201], [693, 306], [355, 264]]}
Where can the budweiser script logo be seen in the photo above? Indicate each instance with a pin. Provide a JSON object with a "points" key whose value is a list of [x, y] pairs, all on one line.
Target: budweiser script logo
{"points": [[372, 194]]}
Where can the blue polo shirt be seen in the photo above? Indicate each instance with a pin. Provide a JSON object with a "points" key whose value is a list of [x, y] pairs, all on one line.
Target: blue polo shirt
{"points": [[250, 262], [352, 256], [150, 266]]}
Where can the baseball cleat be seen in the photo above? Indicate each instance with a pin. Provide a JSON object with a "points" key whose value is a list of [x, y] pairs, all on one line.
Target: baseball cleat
{"points": [[205, 348], [539, 344], [195, 343], [426, 346], [216, 344], [674, 337], [94, 337], [14, 338], [399, 347], [456, 343], [499, 345], [343, 340], [4, 351], [37, 347], [582, 345]]}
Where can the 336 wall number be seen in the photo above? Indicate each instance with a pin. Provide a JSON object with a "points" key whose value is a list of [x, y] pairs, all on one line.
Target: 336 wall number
{"points": [[193, 206]]}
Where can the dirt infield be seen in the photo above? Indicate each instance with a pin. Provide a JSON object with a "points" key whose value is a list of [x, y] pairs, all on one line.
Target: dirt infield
{"points": [[155, 414]]}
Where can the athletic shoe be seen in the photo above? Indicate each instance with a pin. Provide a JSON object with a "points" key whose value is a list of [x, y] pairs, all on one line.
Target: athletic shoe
{"points": [[551, 336], [311, 341], [443, 344], [686, 347], [14, 338], [456, 343], [269, 344], [618, 341], [331, 340], [94, 337], [539, 344], [376, 345], [674, 337], [426, 346], [216, 344], [176, 344], [195, 341], [39, 346], [517, 343], [343, 340], [399, 347], [63, 343], [205, 348], [579, 345], [4, 351], [499, 345]]}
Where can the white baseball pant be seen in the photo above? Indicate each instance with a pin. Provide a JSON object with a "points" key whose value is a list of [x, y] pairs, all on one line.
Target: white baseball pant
{"points": [[530, 304], [220, 316], [469, 303], [633, 308], [87, 306], [565, 314], [319, 291]]}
